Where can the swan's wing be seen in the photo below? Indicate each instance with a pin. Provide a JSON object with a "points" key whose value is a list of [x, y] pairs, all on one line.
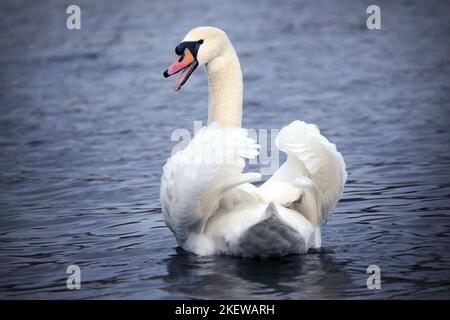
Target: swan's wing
{"points": [[195, 178], [312, 179]]}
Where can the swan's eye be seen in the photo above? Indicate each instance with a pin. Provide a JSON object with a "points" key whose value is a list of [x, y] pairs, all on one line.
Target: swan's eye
{"points": [[200, 41]]}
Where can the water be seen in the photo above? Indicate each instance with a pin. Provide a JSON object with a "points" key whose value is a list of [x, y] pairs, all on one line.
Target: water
{"points": [[86, 119]]}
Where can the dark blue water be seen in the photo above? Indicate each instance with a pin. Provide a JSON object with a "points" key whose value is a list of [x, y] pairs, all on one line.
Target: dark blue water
{"points": [[85, 125]]}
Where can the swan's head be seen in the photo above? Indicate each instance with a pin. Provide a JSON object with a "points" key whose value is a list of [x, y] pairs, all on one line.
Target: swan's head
{"points": [[200, 46]]}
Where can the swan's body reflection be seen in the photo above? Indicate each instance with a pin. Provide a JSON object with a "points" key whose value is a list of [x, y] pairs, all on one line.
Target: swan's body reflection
{"points": [[223, 277]]}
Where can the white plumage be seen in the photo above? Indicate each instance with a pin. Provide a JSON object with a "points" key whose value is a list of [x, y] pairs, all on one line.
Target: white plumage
{"points": [[212, 208], [210, 204]]}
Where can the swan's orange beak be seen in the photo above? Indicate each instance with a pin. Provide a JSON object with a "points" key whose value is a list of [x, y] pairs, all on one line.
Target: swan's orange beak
{"points": [[186, 62]]}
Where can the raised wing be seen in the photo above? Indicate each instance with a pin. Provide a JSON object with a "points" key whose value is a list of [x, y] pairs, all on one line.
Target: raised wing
{"points": [[195, 178], [312, 179]]}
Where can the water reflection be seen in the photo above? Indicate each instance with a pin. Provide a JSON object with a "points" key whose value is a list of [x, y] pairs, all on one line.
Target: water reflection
{"points": [[297, 277]]}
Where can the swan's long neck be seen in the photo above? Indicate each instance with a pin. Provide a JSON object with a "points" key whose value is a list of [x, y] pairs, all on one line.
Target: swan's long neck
{"points": [[225, 89]]}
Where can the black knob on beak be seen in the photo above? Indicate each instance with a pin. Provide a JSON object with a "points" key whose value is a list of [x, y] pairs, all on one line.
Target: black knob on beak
{"points": [[179, 50]]}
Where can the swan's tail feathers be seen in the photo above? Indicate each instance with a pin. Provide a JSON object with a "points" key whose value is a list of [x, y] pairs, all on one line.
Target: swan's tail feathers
{"points": [[271, 237], [195, 178], [314, 165]]}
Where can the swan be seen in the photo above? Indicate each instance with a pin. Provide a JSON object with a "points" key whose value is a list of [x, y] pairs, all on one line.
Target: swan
{"points": [[210, 204]]}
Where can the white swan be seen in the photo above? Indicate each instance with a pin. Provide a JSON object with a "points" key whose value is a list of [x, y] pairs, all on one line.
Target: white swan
{"points": [[209, 204]]}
